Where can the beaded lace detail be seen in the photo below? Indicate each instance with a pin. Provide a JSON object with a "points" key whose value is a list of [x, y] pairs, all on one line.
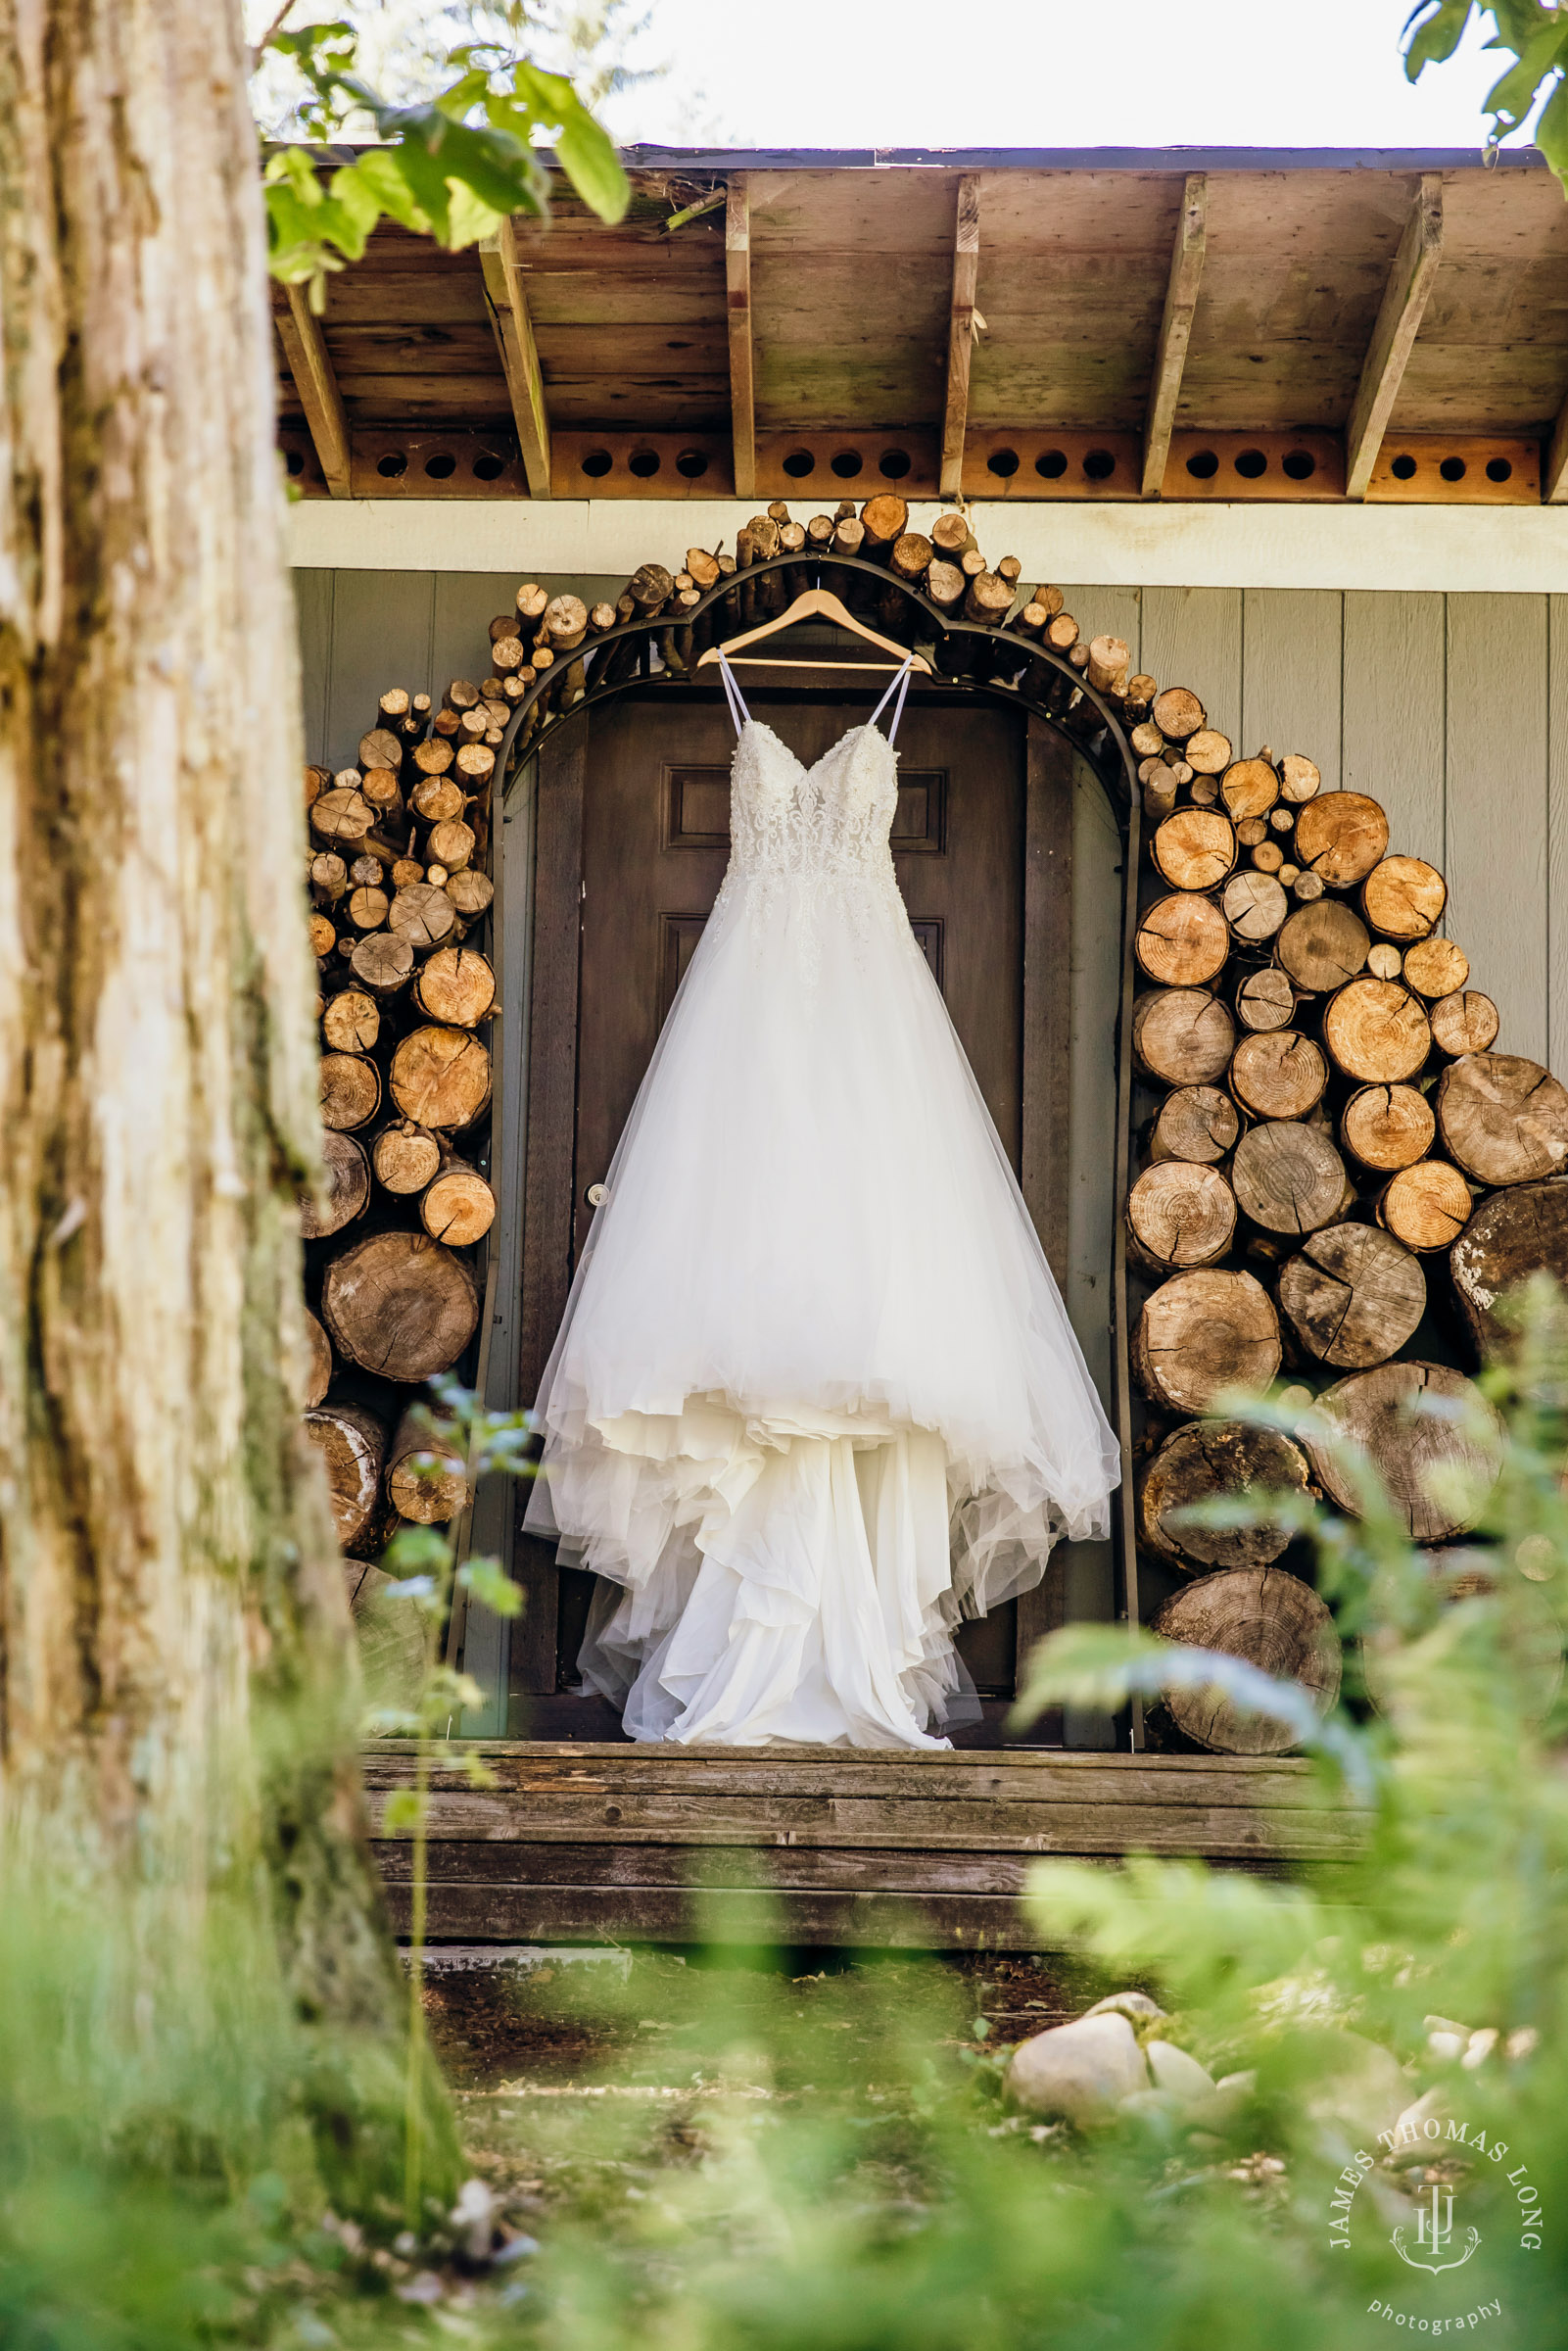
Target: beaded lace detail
{"points": [[817, 837]]}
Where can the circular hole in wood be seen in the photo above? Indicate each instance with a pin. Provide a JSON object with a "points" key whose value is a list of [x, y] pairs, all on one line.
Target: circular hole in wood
{"points": [[441, 466], [1203, 465], [1402, 469], [692, 463], [1300, 464], [645, 463], [1251, 463], [893, 465], [1004, 461], [1452, 469], [597, 465], [1499, 470], [391, 464], [1051, 465], [489, 466], [1099, 465], [846, 465], [799, 463], [293, 462]]}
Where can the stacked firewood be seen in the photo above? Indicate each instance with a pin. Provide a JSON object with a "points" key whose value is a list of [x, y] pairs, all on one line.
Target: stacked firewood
{"points": [[396, 873], [1336, 1165], [1331, 1133]]}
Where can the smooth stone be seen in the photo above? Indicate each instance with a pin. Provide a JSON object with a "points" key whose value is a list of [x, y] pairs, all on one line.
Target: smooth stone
{"points": [[1173, 2070], [1135, 2005], [1079, 2072]]}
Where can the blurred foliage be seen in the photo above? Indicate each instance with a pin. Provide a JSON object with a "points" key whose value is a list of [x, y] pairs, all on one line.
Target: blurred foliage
{"points": [[452, 167], [1535, 34], [840, 2167]]}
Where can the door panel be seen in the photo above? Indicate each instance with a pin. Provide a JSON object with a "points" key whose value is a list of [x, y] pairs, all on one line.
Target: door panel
{"points": [[655, 844]]}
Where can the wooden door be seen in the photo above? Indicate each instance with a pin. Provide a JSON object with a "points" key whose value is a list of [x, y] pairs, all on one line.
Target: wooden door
{"points": [[633, 844], [656, 841]]}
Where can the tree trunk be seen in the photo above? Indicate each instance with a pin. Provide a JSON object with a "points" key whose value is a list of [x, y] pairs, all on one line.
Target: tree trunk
{"points": [[1183, 1035], [1196, 1122], [1503, 1118], [1278, 1075], [169, 1574]]}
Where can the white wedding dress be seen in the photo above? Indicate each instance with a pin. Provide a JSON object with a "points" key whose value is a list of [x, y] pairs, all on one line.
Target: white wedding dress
{"points": [[815, 1397]]}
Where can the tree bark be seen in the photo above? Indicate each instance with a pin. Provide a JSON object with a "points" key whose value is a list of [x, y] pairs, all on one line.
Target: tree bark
{"points": [[170, 1586], [1515, 1234]]}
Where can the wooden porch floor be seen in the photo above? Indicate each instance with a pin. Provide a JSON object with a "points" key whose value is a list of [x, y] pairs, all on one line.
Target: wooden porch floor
{"points": [[579, 1843]]}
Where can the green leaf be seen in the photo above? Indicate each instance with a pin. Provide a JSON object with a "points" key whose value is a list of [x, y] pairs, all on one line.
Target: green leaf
{"points": [[583, 148], [403, 1812], [487, 1581], [1438, 38], [1552, 131], [1100, 1667]]}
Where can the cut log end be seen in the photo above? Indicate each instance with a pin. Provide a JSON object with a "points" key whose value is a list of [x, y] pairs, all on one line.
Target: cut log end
{"points": [[1354, 1296], [1273, 1620]]}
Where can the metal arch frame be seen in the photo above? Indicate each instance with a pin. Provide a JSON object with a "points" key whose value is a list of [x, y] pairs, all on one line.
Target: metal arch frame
{"points": [[1109, 754]]}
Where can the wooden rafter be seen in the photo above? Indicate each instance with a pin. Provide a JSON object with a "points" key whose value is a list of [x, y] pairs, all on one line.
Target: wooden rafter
{"points": [[1175, 329], [961, 332], [1399, 322], [1554, 471], [743, 379], [508, 297], [305, 351]]}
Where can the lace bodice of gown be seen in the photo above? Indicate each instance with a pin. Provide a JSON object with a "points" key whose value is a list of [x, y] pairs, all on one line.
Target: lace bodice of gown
{"points": [[817, 829]]}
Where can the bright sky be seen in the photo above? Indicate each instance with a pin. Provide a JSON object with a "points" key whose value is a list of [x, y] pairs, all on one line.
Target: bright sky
{"points": [[1048, 73]]}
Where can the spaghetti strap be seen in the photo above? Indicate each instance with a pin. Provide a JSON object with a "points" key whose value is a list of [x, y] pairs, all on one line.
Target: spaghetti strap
{"points": [[738, 709], [901, 681]]}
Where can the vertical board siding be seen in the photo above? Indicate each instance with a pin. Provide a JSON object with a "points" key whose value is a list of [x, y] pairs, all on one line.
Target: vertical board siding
{"points": [[1557, 834], [1109, 613], [1497, 805], [314, 592], [1193, 637], [1291, 671], [1392, 727], [1439, 707], [380, 637]]}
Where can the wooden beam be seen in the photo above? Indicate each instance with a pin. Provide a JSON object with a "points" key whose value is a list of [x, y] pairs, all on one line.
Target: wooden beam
{"points": [[961, 333], [1175, 329], [738, 291], [508, 297], [1554, 470], [305, 349], [1399, 322]]}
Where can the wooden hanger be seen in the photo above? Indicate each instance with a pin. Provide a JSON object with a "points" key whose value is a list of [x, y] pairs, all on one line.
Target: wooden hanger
{"points": [[816, 604]]}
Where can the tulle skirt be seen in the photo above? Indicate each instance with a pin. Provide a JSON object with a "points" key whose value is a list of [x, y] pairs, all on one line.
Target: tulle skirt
{"points": [[815, 1397]]}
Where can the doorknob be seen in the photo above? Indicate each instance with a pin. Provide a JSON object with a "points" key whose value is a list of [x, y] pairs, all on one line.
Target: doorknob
{"points": [[597, 1195]]}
